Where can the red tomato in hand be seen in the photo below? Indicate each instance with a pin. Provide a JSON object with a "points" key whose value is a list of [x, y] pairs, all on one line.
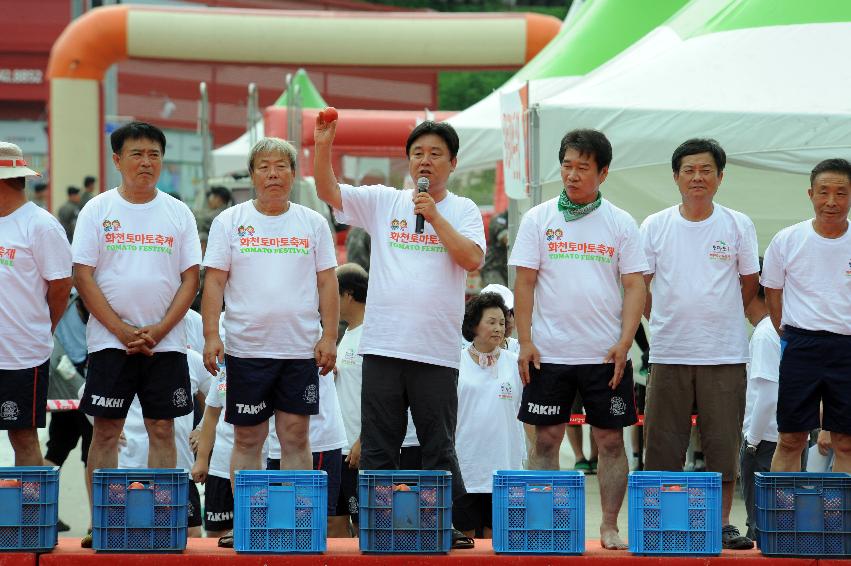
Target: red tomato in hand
{"points": [[328, 115]]}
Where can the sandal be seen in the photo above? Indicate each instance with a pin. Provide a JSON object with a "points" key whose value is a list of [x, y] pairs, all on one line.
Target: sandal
{"points": [[86, 541], [226, 541], [461, 541], [582, 465], [593, 466]]}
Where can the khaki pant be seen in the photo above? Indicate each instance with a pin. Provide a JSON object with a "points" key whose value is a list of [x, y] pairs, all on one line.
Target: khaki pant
{"points": [[718, 393]]}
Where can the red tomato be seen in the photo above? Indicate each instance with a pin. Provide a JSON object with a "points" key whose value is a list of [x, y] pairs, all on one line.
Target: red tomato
{"points": [[10, 483], [136, 485], [328, 115]]}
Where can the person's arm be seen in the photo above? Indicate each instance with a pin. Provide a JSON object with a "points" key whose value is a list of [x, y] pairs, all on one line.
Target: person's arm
{"points": [[153, 333], [323, 170], [524, 299], [648, 299], [329, 312], [463, 251], [58, 292], [206, 440], [99, 307], [774, 302], [750, 287], [765, 405], [353, 459], [634, 294], [211, 310]]}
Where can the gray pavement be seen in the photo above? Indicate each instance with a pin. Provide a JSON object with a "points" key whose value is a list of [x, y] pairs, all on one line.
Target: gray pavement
{"points": [[74, 508]]}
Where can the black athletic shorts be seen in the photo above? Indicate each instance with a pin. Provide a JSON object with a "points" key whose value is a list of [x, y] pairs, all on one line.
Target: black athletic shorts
{"points": [[257, 387], [815, 366], [161, 381], [66, 428], [218, 504], [548, 398], [347, 503], [329, 462], [23, 397], [473, 511]]}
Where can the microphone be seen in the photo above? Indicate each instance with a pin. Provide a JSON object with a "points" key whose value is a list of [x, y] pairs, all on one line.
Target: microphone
{"points": [[422, 187]]}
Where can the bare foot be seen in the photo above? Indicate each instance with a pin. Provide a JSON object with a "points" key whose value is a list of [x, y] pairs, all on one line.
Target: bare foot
{"points": [[610, 538]]}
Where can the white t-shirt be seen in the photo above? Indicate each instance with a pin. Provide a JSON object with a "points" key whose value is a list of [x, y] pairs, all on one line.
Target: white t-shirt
{"points": [[194, 331], [327, 431], [410, 439], [415, 302], [223, 446], [697, 316], [135, 453], [33, 250], [575, 325], [488, 436], [139, 252], [349, 383], [271, 294], [764, 367], [815, 275]]}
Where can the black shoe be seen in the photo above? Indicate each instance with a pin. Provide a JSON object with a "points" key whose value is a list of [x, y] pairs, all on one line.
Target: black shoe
{"points": [[461, 541], [731, 539], [226, 541], [62, 527], [86, 541]]}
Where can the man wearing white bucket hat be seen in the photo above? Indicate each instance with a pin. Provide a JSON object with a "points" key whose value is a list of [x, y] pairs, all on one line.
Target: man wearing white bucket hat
{"points": [[35, 276]]}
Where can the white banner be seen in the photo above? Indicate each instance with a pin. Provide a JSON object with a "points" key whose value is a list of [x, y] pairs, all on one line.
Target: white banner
{"points": [[515, 165]]}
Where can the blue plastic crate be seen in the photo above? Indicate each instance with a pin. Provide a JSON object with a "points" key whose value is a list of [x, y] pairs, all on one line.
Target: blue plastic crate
{"points": [[151, 517], [803, 514], [29, 510], [675, 513], [538, 512], [416, 518], [280, 511]]}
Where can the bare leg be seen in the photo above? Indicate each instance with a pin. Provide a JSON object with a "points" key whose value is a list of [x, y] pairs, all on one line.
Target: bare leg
{"points": [[247, 449], [216, 534], [574, 437], [24, 442], [841, 444], [339, 527], [787, 455], [295, 445], [547, 443], [728, 489], [162, 451], [612, 473], [103, 450]]}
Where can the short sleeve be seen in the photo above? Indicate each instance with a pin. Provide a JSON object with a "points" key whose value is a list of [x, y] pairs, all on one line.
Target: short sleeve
{"points": [[773, 268], [472, 227], [326, 253], [52, 252], [765, 356], [360, 204], [218, 254], [213, 398], [190, 248], [631, 254], [749, 250], [526, 251], [646, 244], [86, 245]]}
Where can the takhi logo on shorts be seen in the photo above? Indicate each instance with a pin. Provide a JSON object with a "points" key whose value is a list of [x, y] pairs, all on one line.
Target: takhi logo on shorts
{"points": [[250, 242]]}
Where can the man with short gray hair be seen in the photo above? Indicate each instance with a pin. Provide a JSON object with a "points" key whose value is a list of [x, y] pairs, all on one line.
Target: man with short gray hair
{"points": [[272, 262]]}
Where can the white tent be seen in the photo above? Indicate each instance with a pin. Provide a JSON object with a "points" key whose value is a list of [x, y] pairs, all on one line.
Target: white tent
{"points": [[231, 157], [766, 79]]}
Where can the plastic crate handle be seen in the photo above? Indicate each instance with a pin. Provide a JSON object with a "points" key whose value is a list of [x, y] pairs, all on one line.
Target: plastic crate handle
{"points": [[808, 490], [674, 487], [539, 487]]}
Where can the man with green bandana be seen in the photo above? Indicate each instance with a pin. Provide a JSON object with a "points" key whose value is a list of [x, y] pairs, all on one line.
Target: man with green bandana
{"points": [[578, 299]]}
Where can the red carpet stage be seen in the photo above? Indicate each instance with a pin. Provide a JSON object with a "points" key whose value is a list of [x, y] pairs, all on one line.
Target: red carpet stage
{"points": [[344, 552]]}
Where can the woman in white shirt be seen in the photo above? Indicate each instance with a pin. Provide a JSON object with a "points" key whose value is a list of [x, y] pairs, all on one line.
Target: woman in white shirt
{"points": [[488, 436]]}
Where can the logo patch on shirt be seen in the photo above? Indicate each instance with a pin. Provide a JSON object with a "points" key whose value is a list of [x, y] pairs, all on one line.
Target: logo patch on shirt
{"points": [[721, 251], [111, 225], [9, 411], [7, 256], [505, 390], [551, 234], [583, 251], [396, 224], [401, 239], [847, 272], [244, 231], [250, 242]]}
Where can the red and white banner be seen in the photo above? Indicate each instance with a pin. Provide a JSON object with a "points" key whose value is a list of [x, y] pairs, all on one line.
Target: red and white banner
{"points": [[515, 164]]}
